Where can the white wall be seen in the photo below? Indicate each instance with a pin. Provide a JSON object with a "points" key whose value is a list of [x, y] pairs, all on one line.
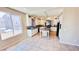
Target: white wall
{"points": [[28, 21], [69, 32]]}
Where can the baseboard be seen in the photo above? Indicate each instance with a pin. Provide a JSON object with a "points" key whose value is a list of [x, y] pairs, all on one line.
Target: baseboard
{"points": [[68, 43]]}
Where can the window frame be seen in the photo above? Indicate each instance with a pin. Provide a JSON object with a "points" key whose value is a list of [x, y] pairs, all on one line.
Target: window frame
{"points": [[13, 12]]}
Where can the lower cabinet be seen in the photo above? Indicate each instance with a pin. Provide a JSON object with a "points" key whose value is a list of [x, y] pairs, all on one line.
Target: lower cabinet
{"points": [[31, 32], [53, 28]]}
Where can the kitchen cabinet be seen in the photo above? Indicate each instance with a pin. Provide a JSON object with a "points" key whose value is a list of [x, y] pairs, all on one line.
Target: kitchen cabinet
{"points": [[53, 28], [31, 32]]}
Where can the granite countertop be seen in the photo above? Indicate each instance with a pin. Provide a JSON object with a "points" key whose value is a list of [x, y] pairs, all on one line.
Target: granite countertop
{"points": [[31, 27], [34, 27], [37, 26]]}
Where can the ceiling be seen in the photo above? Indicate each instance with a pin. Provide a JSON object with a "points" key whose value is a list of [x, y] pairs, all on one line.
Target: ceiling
{"points": [[40, 11]]}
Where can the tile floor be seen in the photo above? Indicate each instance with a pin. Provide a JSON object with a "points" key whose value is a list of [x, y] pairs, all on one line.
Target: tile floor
{"points": [[38, 43]]}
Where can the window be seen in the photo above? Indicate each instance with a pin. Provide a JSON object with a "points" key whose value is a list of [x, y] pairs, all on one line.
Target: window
{"points": [[9, 25], [16, 24]]}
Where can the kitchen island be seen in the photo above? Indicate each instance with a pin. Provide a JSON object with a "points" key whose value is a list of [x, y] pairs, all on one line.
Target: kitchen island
{"points": [[31, 30]]}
